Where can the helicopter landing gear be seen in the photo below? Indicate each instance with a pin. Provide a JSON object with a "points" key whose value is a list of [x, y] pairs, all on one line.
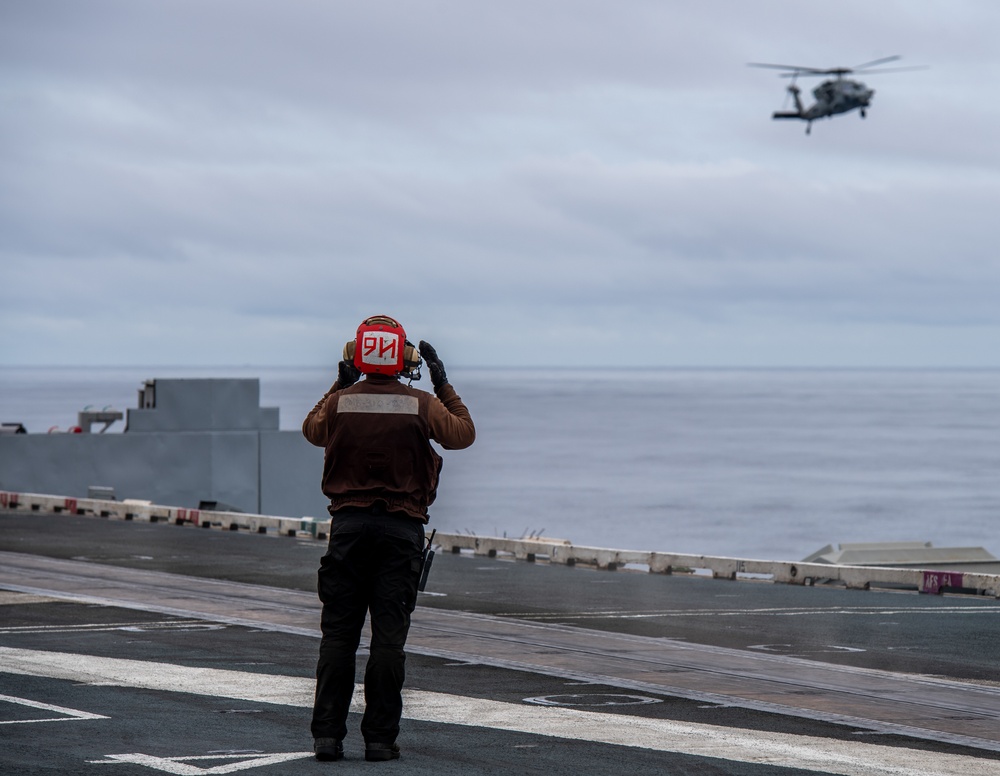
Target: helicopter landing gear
{"points": [[863, 113], [809, 127]]}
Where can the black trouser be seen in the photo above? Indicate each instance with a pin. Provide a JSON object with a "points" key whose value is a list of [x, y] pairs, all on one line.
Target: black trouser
{"points": [[372, 565]]}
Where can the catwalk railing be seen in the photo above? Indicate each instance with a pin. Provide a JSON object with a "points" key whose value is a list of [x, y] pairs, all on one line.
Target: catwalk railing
{"points": [[934, 581]]}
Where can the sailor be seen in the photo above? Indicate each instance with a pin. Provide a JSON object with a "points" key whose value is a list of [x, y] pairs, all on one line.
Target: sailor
{"points": [[381, 474]]}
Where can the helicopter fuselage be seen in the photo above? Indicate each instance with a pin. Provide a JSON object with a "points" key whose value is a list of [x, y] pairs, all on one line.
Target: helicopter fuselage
{"points": [[832, 97], [839, 96]]}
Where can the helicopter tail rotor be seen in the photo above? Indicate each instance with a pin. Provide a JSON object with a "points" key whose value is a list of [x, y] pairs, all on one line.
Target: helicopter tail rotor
{"points": [[791, 93], [794, 91]]}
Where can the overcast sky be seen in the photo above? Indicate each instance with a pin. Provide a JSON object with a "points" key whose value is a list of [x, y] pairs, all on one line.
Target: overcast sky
{"points": [[526, 182]]}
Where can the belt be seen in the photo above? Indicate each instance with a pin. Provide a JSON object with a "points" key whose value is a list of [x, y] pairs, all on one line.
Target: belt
{"points": [[378, 508]]}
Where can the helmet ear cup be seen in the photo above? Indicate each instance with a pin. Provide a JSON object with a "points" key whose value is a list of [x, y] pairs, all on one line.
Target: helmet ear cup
{"points": [[411, 356]]}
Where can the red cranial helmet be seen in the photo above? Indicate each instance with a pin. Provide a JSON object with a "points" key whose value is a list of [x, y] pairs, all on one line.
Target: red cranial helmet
{"points": [[381, 347]]}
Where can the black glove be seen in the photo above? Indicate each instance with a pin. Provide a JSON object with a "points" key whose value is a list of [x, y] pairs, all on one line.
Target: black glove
{"points": [[434, 365], [347, 374]]}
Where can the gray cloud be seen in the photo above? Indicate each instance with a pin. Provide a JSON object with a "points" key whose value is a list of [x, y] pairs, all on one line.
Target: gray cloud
{"points": [[241, 182]]}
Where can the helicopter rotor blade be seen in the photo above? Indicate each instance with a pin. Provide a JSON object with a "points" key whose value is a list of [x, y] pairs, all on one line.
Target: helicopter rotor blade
{"points": [[812, 72], [875, 62], [892, 70], [794, 71], [794, 68]]}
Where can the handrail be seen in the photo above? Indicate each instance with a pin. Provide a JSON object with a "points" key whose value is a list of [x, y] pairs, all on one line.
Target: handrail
{"points": [[933, 581]]}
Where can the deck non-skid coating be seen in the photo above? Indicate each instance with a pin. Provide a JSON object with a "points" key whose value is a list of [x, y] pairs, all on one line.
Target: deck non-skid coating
{"points": [[921, 707], [776, 749]]}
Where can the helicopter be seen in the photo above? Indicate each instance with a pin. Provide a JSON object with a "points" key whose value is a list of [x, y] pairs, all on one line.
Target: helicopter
{"points": [[837, 95]]}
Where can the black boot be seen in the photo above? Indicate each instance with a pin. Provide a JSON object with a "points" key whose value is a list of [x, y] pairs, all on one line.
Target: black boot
{"points": [[381, 752], [329, 749]]}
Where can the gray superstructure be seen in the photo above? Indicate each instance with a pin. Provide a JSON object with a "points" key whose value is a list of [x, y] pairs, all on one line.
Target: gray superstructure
{"points": [[190, 442]]}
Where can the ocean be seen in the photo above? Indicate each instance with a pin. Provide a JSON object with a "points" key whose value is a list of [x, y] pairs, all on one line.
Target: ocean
{"points": [[770, 464]]}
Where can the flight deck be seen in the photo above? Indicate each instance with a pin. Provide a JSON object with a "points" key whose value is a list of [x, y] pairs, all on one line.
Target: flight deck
{"points": [[135, 648]]}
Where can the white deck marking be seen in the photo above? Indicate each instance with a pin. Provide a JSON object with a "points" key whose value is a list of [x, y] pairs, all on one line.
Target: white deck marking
{"points": [[181, 765], [11, 598], [67, 714], [137, 627], [848, 758], [919, 707], [988, 607]]}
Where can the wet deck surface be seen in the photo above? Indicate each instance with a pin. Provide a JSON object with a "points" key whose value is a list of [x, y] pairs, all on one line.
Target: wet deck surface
{"points": [[182, 643]]}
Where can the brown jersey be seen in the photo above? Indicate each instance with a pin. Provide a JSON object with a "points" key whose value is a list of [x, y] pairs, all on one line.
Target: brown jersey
{"points": [[377, 434]]}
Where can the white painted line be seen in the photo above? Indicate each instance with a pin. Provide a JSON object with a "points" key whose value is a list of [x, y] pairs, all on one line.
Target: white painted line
{"points": [[169, 610], [828, 756], [10, 598], [67, 714], [181, 765], [116, 672], [137, 627], [985, 607], [919, 732]]}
